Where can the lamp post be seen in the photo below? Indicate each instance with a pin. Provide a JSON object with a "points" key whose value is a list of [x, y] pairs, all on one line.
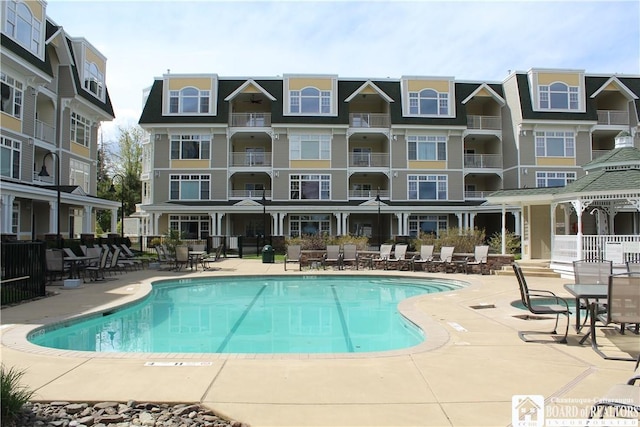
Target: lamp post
{"points": [[112, 190], [264, 216], [378, 200], [43, 172]]}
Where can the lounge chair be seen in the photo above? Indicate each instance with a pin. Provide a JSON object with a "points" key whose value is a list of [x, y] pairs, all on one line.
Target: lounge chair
{"points": [[96, 271], [128, 254], [399, 257], [294, 254], [480, 256], [383, 256], [537, 302], [425, 257], [350, 255], [445, 262], [164, 258], [622, 307], [333, 257]]}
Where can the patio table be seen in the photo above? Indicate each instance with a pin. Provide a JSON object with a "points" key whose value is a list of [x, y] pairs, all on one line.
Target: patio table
{"points": [[76, 262], [586, 292], [194, 258]]}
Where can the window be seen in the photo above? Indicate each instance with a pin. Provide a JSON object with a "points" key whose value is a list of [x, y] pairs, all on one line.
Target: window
{"points": [[15, 218], [555, 144], [426, 224], [79, 174], [310, 101], [22, 26], [427, 147], [80, 129], [559, 96], [428, 102], [310, 147], [312, 187], [189, 100], [10, 158], [190, 146], [93, 79], [76, 218], [300, 225], [11, 96], [190, 226], [190, 187], [554, 179], [427, 187]]}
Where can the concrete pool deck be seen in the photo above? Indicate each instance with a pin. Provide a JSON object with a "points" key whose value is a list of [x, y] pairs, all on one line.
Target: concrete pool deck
{"points": [[466, 376]]}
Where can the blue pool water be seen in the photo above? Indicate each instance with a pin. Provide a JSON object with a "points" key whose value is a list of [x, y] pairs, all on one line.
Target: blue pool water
{"points": [[301, 314]]}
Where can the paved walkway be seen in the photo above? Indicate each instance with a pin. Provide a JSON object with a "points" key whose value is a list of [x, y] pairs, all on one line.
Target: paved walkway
{"points": [[466, 375]]}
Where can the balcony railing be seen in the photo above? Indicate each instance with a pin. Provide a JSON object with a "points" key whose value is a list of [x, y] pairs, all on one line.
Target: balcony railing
{"points": [[43, 179], [613, 117], [45, 132], [249, 194], [365, 160], [482, 161], [251, 120], [484, 122], [598, 153], [478, 195], [250, 159], [369, 120], [368, 194]]}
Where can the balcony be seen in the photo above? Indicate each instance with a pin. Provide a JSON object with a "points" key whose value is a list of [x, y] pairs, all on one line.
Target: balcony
{"points": [[598, 153], [484, 122], [369, 120], [483, 161], [258, 160], [252, 120], [249, 194], [43, 179], [368, 194], [365, 160], [45, 132], [613, 117]]}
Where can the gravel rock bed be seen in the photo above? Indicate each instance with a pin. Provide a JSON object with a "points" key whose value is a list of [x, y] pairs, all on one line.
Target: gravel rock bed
{"points": [[115, 414]]}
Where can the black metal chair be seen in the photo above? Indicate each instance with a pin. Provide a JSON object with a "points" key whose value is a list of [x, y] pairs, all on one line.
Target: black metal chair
{"points": [[537, 302]]}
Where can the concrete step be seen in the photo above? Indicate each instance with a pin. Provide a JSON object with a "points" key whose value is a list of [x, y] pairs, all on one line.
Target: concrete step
{"points": [[530, 268]]}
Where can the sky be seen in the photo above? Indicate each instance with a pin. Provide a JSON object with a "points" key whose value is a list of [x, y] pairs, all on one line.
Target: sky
{"points": [[469, 40]]}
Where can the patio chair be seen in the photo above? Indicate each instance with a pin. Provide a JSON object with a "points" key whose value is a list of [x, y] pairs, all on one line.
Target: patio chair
{"points": [[633, 266], [383, 256], [480, 256], [164, 258], [445, 262], [622, 307], [294, 254], [425, 257], [399, 257], [537, 302], [128, 254], [350, 255], [625, 397], [332, 256], [56, 268], [592, 272], [212, 257], [182, 256]]}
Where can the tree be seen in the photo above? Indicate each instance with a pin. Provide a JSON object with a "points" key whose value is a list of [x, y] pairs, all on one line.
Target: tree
{"points": [[103, 217]]}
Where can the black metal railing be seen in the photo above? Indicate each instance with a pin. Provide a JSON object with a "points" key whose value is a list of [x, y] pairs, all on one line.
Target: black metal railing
{"points": [[23, 271]]}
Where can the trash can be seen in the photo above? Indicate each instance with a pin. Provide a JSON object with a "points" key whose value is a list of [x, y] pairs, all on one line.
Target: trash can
{"points": [[267, 254]]}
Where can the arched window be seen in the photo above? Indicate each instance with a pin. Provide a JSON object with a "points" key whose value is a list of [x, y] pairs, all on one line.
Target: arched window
{"points": [[93, 79], [429, 102], [22, 26], [558, 96], [189, 100], [310, 100]]}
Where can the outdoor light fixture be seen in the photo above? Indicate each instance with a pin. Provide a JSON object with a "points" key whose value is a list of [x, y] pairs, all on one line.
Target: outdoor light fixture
{"points": [[378, 200], [43, 172], [112, 190]]}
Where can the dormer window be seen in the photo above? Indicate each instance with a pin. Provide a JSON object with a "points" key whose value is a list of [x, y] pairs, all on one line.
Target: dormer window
{"points": [[310, 100], [93, 79], [559, 96], [189, 100], [428, 102], [22, 26]]}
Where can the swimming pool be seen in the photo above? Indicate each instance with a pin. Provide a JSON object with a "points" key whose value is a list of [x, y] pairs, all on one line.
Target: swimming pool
{"points": [[273, 314]]}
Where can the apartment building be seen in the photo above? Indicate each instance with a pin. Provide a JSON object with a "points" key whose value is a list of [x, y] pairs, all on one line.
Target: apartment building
{"points": [[303, 154], [53, 101]]}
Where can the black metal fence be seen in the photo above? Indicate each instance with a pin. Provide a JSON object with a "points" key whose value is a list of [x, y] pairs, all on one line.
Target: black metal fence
{"points": [[23, 271]]}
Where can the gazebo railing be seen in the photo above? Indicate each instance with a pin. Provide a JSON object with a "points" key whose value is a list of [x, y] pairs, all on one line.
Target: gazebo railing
{"points": [[594, 247]]}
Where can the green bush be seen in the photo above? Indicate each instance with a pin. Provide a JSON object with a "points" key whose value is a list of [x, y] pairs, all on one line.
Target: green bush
{"points": [[465, 242], [320, 241], [512, 242], [14, 395]]}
